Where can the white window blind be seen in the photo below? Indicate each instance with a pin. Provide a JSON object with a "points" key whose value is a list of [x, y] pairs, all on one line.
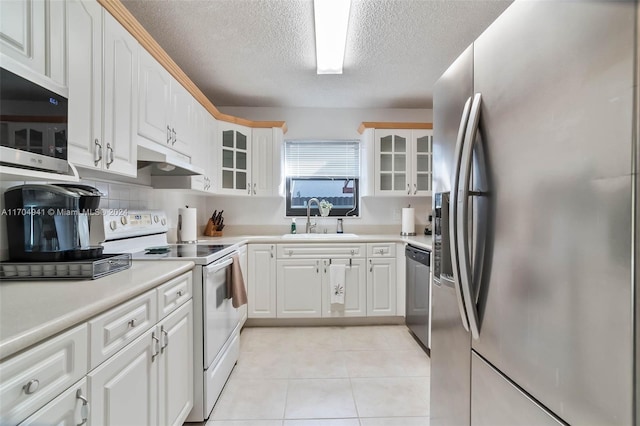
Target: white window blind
{"points": [[322, 158]]}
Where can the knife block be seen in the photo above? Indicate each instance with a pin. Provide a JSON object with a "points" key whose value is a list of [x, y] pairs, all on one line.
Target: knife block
{"points": [[210, 230]]}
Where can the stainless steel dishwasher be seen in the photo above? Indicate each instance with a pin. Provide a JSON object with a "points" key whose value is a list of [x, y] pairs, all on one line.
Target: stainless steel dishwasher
{"points": [[418, 306]]}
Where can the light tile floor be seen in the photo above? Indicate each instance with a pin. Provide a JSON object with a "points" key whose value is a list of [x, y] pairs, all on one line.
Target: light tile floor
{"points": [[326, 376]]}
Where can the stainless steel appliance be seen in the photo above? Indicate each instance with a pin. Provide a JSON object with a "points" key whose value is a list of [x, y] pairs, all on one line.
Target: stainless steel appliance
{"points": [[50, 222], [216, 322], [536, 159], [33, 125], [418, 271]]}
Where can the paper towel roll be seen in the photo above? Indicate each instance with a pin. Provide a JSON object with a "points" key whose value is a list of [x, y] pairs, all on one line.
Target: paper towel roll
{"points": [[187, 225], [408, 221]]}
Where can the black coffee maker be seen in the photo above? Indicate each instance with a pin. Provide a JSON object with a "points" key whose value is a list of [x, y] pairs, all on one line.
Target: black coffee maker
{"points": [[50, 222]]}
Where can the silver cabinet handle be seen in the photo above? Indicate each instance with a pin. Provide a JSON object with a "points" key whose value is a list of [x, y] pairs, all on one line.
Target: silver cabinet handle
{"points": [[370, 265], [254, 189], [175, 136], [463, 215], [31, 387], [408, 189], [353, 252], [179, 293], [415, 189], [132, 323], [110, 157], [165, 339], [168, 134], [317, 266], [97, 153], [453, 213], [325, 265], [84, 411], [156, 344], [271, 252]]}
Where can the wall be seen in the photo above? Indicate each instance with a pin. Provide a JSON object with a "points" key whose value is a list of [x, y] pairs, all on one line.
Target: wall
{"points": [[253, 215]]}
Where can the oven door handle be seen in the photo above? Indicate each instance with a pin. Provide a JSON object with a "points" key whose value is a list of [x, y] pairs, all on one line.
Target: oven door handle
{"points": [[215, 267]]}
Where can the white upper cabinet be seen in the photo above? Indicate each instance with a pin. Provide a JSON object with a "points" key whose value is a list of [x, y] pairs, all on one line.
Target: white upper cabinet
{"points": [[103, 69], [153, 100], [166, 110], [398, 162], [33, 41], [249, 160], [235, 159]]}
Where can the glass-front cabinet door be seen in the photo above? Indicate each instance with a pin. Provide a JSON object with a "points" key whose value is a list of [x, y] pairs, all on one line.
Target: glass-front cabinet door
{"points": [[392, 162], [235, 167], [422, 162]]}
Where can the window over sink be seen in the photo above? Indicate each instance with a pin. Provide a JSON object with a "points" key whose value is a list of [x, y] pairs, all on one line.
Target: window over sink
{"points": [[323, 169]]}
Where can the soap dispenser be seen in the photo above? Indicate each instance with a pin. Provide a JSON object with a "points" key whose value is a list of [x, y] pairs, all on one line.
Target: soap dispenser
{"points": [[293, 225]]}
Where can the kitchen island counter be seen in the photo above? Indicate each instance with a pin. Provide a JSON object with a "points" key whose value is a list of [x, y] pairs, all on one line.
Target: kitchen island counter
{"points": [[31, 311]]}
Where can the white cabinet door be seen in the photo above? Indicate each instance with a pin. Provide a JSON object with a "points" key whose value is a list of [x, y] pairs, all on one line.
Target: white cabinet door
{"points": [[422, 162], [355, 289], [299, 288], [262, 153], [381, 287], [392, 162], [261, 280], [153, 99], [85, 83], [181, 117], [176, 366], [70, 408], [124, 389], [56, 42], [235, 159], [22, 32], [120, 102]]}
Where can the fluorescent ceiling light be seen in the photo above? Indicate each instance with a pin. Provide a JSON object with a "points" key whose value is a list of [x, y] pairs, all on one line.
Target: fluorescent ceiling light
{"points": [[332, 20]]}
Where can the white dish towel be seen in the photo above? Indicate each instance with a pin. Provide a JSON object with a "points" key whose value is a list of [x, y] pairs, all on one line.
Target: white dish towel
{"points": [[337, 274]]}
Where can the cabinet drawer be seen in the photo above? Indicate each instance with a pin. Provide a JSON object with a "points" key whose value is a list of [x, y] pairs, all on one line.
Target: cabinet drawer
{"points": [[30, 380], [112, 330], [173, 294], [381, 250], [315, 251], [66, 409]]}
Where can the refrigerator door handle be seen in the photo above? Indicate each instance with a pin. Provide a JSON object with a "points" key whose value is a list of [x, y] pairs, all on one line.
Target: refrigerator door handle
{"points": [[463, 215], [453, 214]]}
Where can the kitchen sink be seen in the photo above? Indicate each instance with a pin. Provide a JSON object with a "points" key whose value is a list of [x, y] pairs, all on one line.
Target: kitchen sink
{"points": [[317, 236]]}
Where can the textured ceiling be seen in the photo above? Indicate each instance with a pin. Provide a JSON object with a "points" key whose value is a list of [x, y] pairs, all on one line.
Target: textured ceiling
{"points": [[262, 52]]}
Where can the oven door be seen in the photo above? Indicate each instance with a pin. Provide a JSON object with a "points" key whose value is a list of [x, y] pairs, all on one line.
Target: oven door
{"points": [[220, 317]]}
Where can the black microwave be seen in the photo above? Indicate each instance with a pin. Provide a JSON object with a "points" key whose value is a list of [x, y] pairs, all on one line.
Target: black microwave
{"points": [[33, 125]]}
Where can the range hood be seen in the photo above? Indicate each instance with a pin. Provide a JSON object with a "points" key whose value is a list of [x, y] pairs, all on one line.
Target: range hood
{"points": [[164, 161]]}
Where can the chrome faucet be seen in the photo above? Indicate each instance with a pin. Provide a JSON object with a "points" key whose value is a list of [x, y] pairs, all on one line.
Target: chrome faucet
{"points": [[309, 226]]}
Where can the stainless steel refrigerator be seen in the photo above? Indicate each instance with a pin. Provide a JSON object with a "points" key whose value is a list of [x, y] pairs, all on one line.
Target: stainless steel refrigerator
{"points": [[535, 298]]}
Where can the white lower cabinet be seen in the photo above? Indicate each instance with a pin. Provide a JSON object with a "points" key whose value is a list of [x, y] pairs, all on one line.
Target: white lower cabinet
{"points": [[381, 286], [175, 398], [70, 408], [261, 281], [355, 289], [299, 288], [123, 389], [150, 381]]}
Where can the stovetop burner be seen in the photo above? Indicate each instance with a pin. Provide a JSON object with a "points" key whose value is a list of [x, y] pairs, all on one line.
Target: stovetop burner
{"points": [[200, 253]]}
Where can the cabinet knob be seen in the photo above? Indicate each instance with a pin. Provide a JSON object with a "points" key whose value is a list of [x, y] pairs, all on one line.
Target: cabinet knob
{"points": [[31, 387], [132, 323], [179, 293]]}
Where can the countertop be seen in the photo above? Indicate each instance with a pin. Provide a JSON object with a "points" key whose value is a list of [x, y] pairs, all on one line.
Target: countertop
{"points": [[422, 241], [31, 311]]}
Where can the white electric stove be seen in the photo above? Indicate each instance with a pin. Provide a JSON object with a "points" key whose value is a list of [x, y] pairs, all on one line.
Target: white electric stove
{"points": [[217, 324]]}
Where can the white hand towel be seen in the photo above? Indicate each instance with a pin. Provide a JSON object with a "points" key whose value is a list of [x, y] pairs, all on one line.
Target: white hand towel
{"points": [[337, 274]]}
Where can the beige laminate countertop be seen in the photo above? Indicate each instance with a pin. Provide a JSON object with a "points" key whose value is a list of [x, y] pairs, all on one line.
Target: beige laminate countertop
{"points": [[31, 311], [422, 241]]}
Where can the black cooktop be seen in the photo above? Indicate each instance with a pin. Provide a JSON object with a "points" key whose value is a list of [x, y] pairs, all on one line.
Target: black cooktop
{"points": [[172, 251]]}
